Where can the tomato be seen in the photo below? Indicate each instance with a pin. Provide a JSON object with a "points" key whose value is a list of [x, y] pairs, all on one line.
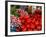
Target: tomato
{"points": [[28, 20], [26, 17], [32, 26], [28, 25], [23, 28], [39, 27]]}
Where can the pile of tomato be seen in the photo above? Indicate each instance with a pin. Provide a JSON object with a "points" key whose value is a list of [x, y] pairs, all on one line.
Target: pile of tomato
{"points": [[31, 22]]}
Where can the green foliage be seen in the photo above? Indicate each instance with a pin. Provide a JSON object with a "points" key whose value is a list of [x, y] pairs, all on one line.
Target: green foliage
{"points": [[13, 10]]}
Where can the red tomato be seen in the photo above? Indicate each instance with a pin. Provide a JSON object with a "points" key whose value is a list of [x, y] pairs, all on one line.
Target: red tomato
{"points": [[28, 20], [39, 27], [32, 26], [29, 29], [28, 25], [36, 22], [26, 17]]}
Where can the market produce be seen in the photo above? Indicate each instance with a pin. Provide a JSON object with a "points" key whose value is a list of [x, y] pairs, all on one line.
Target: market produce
{"points": [[27, 22]]}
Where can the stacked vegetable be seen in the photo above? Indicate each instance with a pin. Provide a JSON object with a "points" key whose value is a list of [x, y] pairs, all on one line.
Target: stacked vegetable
{"points": [[27, 22]]}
